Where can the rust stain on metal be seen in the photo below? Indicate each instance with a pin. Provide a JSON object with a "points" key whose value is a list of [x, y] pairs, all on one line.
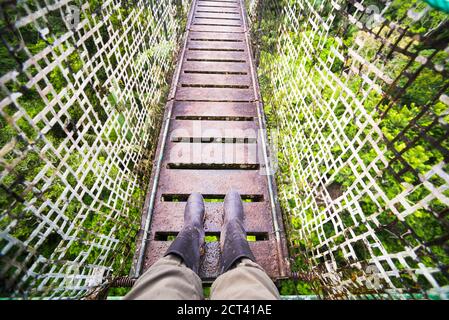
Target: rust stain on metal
{"points": [[212, 142]]}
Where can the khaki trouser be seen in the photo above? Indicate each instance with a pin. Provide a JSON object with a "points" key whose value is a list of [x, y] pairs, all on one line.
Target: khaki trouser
{"points": [[170, 279]]}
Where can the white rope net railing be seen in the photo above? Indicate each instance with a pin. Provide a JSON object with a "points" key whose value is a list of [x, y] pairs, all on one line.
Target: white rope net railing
{"points": [[82, 87], [359, 93]]}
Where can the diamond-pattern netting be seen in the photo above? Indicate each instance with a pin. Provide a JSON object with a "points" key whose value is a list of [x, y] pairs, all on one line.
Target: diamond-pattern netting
{"points": [[82, 87], [359, 94]]}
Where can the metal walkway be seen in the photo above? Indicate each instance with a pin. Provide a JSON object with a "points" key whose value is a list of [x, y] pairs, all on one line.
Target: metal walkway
{"points": [[210, 142]]}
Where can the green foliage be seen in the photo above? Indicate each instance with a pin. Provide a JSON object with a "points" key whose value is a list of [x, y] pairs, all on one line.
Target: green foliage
{"points": [[206, 292], [118, 292], [290, 287]]}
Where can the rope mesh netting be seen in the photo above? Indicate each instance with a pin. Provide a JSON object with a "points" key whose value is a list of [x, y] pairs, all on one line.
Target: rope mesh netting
{"points": [[358, 91], [83, 85]]}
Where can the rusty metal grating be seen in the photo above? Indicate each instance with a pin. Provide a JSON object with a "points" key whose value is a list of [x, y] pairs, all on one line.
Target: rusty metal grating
{"points": [[359, 92], [212, 142]]}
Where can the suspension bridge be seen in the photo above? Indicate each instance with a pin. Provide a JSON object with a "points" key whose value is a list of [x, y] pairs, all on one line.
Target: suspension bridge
{"points": [[329, 117]]}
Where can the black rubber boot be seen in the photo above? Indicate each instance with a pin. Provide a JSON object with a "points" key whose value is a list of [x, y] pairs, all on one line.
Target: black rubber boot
{"points": [[234, 245], [188, 244]]}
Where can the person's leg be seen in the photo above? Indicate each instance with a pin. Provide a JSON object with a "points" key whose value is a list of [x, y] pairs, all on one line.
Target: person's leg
{"points": [[167, 279], [246, 281], [175, 275], [241, 277]]}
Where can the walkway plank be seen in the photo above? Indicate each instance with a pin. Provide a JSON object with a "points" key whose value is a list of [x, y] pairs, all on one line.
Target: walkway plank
{"points": [[210, 110], [216, 79]]}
